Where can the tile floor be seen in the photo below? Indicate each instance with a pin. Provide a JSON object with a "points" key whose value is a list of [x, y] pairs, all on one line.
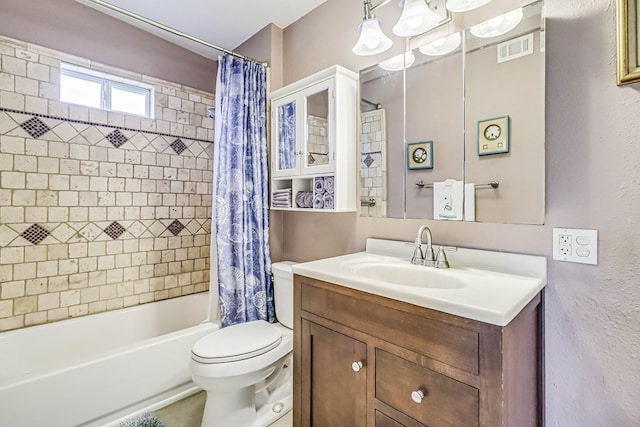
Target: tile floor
{"points": [[188, 413]]}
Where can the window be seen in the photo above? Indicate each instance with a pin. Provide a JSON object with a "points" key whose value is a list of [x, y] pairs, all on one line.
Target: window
{"points": [[99, 90]]}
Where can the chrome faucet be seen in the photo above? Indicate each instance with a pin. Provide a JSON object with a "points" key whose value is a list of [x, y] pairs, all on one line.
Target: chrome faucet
{"points": [[427, 257]]}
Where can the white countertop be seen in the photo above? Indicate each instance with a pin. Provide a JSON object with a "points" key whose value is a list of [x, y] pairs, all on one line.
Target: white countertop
{"points": [[491, 287]]}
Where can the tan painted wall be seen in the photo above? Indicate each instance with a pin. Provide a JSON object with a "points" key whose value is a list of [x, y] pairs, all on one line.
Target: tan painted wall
{"points": [[592, 181], [74, 28]]}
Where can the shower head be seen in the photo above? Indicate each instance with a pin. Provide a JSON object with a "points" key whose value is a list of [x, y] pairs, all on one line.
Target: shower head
{"points": [[211, 112]]}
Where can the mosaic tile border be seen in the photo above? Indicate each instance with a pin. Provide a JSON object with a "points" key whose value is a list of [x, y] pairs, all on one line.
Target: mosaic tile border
{"points": [[88, 123]]}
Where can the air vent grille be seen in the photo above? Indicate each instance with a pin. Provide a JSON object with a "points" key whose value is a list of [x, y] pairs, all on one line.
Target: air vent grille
{"points": [[515, 48]]}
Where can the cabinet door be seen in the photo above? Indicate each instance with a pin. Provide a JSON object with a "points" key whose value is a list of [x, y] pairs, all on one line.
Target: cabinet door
{"points": [[334, 386], [383, 420], [318, 122], [286, 132]]}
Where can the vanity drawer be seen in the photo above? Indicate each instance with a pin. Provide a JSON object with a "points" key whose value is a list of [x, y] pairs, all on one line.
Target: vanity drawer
{"points": [[453, 345], [446, 402]]}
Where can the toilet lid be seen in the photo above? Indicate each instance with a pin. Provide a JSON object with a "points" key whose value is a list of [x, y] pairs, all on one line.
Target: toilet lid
{"points": [[237, 342]]}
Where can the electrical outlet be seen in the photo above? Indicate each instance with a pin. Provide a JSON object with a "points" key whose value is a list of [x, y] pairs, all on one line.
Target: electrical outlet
{"points": [[575, 245]]}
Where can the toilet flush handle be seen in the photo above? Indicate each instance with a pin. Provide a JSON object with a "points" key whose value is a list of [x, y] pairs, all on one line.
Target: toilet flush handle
{"points": [[356, 366]]}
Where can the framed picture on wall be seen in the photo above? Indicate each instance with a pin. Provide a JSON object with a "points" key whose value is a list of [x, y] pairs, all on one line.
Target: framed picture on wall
{"points": [[628, 46], [420, 155], [493, 136]]}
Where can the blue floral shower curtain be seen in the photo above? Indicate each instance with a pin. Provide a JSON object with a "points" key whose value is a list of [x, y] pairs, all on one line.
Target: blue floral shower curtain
{"points": [[241, 193]]}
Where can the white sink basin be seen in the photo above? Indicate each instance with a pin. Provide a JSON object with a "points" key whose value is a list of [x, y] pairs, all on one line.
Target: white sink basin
{"points": [[491, 287], [405, 274]]}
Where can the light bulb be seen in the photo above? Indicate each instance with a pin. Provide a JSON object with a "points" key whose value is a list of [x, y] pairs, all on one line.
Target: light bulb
{"points": [[442, 46], [372, 40], [494, 22], [415, 22], [416, 18], [372, 44], [498, 25], [398, 62]]}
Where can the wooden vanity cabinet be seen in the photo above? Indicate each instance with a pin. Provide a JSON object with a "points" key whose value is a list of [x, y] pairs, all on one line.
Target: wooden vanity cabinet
{"points": [[365, 360]]}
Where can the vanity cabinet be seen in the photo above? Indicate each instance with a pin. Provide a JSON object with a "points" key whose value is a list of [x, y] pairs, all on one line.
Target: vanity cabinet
{"points": [[314, 137], [366, 360]]}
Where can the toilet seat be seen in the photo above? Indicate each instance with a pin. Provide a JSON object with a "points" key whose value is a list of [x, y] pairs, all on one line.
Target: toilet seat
{"points": [[237, 342]]}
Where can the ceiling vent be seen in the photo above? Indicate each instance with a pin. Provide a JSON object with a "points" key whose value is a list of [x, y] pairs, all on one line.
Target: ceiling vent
{"points": [[515, 48]]}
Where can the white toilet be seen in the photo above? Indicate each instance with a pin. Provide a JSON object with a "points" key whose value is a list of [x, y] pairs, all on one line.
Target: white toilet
{"points": [[245, 369]]}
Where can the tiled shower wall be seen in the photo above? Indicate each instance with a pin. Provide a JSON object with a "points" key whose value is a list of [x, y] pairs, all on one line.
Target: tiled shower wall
{"points": [[98, 210], [373, 164]]}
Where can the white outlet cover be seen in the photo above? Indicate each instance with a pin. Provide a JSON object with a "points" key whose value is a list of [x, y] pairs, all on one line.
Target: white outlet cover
{"points": [[581, 247]]}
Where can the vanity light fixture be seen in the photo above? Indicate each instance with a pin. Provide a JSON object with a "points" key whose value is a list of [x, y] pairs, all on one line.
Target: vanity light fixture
{"points": [[498, 26], [372, 40], [398, 62], [442, 46], [465, 5], [416, 18]]}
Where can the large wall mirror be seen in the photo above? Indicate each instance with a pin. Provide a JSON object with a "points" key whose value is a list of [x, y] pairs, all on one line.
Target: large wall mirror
{"points": [[454, 129]]}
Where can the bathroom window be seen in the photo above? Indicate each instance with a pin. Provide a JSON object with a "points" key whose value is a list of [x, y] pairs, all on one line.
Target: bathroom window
{"points": [[99, 90]]}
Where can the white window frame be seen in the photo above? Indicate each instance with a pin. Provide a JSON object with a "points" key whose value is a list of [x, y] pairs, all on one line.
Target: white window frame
{"points": [[109, 82]]}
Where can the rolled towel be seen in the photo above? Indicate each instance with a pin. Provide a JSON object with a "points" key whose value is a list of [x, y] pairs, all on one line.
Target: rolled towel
{"points": [[304, 199], [328, 184], [318, 203], [318, 185], [327, 199], [308, 199]]}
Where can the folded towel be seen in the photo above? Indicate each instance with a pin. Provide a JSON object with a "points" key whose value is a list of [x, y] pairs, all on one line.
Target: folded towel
{"points": [[281, 197], [318, 185], [328, 184], [281, 204], [318, 203], [327, 199], [447, 200], [283, 194]]}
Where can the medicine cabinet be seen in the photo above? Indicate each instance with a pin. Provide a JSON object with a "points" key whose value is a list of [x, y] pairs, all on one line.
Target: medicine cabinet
{"points": [[313, 142]]}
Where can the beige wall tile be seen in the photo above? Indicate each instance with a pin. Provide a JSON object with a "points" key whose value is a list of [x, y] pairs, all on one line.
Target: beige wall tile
{"points": [[73, 182]]}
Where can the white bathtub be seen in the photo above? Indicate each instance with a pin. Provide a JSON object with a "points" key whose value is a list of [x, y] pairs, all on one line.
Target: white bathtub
{"points": [[95, 370]]}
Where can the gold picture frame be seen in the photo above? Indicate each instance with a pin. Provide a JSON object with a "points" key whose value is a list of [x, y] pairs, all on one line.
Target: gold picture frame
{"points": [[628, 45]]}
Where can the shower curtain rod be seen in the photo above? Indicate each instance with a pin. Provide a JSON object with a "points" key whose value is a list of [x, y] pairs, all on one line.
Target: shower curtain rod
{"points": [[171, 30]]}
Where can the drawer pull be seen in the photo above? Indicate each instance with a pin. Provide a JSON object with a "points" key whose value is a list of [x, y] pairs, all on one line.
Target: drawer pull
{"points": [[356, 366], [417, 396]]}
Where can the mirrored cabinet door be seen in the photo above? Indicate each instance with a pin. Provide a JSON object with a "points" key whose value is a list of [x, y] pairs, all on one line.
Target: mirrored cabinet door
{"points": [[319, 138], [285, 150]]}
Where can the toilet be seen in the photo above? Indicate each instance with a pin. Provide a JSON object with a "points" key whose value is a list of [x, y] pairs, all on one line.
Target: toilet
{"points": [[245, 369]]}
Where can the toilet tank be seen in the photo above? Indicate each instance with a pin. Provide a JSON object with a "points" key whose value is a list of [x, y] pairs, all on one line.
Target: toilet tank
{"points": [[283, 292]]}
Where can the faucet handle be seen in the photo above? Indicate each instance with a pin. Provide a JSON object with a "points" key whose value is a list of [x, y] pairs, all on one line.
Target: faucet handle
{"points": [[417, 254], [441, 259]]}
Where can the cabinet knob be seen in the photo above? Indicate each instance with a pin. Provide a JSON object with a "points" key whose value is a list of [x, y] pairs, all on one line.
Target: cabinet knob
{"points": [[356, 366], [417, 396]]}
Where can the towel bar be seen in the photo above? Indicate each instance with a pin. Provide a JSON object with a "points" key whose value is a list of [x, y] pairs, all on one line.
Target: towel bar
{"points": [[369, 203], [492, 184]]}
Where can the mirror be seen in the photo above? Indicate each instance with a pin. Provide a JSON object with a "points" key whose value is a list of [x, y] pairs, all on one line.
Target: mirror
{"points": [[474, 115], [317, 148], [286, 136]]}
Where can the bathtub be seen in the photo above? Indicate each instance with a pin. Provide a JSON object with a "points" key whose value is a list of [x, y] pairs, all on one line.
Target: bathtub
{"points": [[99, 369]]}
